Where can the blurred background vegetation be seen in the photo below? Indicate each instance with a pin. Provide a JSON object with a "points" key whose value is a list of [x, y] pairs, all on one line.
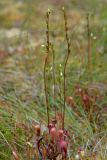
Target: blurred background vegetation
{"points": [[22, 32]]}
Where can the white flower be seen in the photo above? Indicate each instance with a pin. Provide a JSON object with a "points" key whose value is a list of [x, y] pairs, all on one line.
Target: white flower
{"points": [[94, 37], [49, 10], [91, 34], [61, 74], [77, 156], [43, 45], [51, 68]]}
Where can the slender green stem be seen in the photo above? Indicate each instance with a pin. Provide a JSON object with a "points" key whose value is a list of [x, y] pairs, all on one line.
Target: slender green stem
{"points": [[46, 62], [65, 65]]}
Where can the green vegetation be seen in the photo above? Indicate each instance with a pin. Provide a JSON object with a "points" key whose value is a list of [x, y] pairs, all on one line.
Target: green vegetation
{"points": [[24, 44]]}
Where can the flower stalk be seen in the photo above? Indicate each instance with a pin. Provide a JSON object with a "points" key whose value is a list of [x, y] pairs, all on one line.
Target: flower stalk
{"points": [[46, 62], [66, 61]]}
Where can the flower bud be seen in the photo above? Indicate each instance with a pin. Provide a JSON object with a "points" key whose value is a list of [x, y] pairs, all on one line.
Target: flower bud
{"points": [[53, 133], [60, 133], [50, 126]]}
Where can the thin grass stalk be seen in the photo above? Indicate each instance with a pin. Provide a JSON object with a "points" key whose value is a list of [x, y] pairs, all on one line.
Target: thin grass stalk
{"points": [[65, 65], [46, 62], [15, 155], [89, 41]]}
